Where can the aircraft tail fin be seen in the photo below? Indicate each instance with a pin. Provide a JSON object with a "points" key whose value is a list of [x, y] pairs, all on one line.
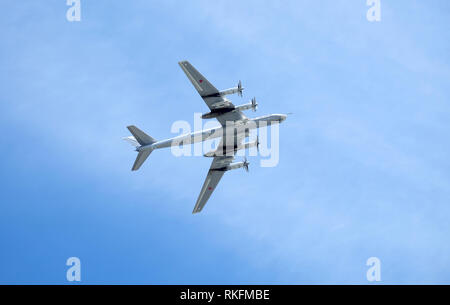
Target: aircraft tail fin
{"points": [[141, 137], [140, 159], [132, 140]]}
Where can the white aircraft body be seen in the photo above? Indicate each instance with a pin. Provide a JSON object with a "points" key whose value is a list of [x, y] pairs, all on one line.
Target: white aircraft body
{"points": [[235, 127]]}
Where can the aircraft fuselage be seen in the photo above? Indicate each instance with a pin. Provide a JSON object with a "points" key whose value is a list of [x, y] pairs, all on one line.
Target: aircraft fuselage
{"points": [[216, 132]]}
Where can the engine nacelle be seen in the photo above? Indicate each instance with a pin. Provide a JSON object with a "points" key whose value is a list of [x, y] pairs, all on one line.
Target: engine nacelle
{"points": [[235, 165], [251, 144], [227, 107], [217, 112], [232, 150], [219, 153], [252, 105], [234, 90]]}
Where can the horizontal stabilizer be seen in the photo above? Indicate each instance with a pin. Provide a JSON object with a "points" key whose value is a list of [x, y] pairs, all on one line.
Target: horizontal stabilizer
{"points": [[140, 136], [140, 159]]}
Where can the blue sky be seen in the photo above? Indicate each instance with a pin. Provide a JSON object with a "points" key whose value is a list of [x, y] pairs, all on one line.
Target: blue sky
{"points": [[363, 168]]}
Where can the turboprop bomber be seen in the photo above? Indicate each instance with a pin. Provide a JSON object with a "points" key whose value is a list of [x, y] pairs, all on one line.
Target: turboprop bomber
{"points": [[234, 129]]}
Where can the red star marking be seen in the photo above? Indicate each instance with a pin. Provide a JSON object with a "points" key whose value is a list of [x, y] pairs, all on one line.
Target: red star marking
{"points": [[209, 188], [201, 81]]}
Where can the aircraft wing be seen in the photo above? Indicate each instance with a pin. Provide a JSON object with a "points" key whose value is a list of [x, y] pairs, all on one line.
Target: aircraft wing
{"points": [[203, 86], [215, 173], [232, 116], [211, 95]]}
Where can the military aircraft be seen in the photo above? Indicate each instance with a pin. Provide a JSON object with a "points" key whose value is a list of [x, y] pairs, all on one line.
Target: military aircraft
{"points": [[235, 127]]}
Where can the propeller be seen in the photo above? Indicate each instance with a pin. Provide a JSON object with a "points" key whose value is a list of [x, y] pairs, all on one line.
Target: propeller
{"points": [[240, 89], [246, 163], [254, 104]]}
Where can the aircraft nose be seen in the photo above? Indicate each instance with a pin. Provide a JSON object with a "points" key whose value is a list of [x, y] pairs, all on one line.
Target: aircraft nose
{"points": [[282, 117]]}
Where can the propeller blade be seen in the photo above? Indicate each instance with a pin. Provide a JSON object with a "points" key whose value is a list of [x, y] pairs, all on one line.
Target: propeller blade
{"points": [[246, 163], [254, 104]]}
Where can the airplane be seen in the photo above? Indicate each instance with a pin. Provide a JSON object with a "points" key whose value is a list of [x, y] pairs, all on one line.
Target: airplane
{"points": [[235, 127]]}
